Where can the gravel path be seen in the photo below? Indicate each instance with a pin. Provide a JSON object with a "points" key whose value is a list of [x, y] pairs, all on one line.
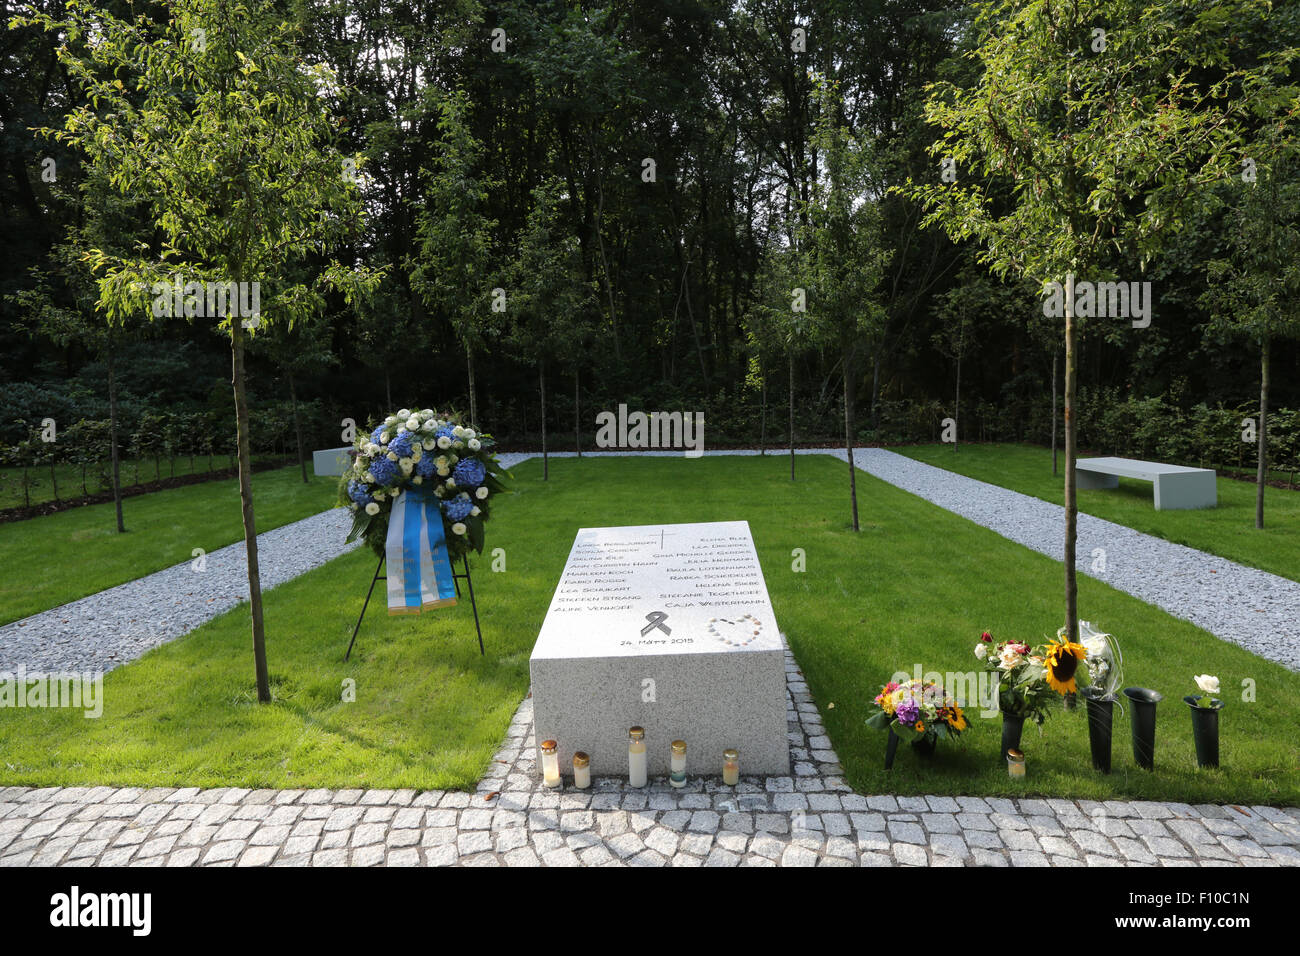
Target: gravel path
{"points": [[113, 627]]}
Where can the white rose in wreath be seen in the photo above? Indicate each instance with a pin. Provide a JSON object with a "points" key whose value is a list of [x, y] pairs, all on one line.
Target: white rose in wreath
{"points": [[459, 431], [476, 510], [481, 492], [427, 426], [444, 442], [470, 433], [417, 480], [372, 509], [404, 413], [458, 528], [475, 444]]}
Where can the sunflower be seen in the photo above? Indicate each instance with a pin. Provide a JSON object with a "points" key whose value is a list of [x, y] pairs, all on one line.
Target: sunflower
{"points": [[1061, 662], [956, 719]]}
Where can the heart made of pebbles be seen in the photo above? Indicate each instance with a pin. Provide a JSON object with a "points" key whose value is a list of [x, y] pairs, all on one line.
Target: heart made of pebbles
{"points": [[735, 633]]}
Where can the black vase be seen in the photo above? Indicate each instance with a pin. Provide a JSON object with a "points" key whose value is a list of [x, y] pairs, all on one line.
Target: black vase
{"points": [[1012, 728], [1101, 714], [891, 749], [1143, 720], [924, 745], [1205, 730]]}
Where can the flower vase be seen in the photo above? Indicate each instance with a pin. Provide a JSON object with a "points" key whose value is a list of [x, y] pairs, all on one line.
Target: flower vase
{"points": [[1205, 729], [924, 745], [1143, 723], [1012, 728], [1101, 713], [891, 749]]}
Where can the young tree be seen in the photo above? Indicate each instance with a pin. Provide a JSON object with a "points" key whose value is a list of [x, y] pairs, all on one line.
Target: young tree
{"points": [[216, 119], [1254, 290], [298, 348], [960, 310], [453, 268], [551, 307], [843, 243], [1093, 130]]}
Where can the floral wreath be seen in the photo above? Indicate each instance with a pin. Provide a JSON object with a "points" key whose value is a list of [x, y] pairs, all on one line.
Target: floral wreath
{"points": [[420, 449]]}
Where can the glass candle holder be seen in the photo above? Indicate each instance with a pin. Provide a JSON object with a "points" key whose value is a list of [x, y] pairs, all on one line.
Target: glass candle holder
{"points": [[677, 764], [581, 770], [731, 767], [636, 757], [1015, 763], [550, 763]]}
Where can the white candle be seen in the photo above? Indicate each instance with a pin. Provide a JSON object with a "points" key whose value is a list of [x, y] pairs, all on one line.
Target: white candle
{"points": [[636, 758], [581, 770], [677, 764], [730, 767], [550, 764]]}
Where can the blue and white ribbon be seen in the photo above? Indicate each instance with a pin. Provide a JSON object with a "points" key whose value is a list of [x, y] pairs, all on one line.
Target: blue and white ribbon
{"points": [[419, 568]]}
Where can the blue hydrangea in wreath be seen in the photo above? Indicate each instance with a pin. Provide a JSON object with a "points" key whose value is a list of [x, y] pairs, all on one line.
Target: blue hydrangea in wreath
{"points": [[420, 448]]}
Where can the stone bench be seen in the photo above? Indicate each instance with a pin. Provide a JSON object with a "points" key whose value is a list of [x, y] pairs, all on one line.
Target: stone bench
{"points": [[1176, 486], [332, 462]]}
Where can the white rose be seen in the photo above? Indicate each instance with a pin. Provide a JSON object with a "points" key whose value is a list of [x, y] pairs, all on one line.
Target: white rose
{"points": [[1095, 646], [368, 478], [451, 482], [426, 413], [390, 420], [427, 426], [378, 496], [981, 651], [470, 433], [444, 442], [417, 480], [1008, 658], [385, 436], [458, 444], [458, 528], [372, 509], [1207, 683], [481, 492], [475, 510], [372, 449], [406, 465], [392, 456], [416, 454], [475, 444], [428, 444], [458, 431], [412, 424], [437, 490], [443, 471], [403, 413]]}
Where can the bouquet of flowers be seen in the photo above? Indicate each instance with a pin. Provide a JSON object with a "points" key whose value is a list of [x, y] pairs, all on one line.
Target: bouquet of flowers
{"points": [[917, 710], [1103, 661], [1031, 678], [422, 449]]}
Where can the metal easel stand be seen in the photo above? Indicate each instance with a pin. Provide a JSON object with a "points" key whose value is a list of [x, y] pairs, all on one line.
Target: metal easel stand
{"points": [[456, 578]]}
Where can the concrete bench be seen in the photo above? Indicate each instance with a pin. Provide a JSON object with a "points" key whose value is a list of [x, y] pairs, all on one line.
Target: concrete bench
{"points": [[1176, 486], [332, 461]]}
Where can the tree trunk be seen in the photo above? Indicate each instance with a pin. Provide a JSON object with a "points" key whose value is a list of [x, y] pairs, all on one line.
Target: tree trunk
{"points": [[112, 441], [875, 390], [1055, 357], [791, 354], [388, 391], [577, 417], [473, 390], [1071, 500], [246, 499], [1261, 477], [956, 410], [297, 428], [848, 437], [762, 415], [54, 479], [541, 381]]}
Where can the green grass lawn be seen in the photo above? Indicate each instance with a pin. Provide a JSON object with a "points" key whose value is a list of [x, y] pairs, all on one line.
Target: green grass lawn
{"points": [[1228, 530], [915, 586], [58, 558]]}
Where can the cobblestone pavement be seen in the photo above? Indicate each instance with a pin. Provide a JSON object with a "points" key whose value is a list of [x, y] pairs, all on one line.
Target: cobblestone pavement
{"points": [[809, 818]]}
